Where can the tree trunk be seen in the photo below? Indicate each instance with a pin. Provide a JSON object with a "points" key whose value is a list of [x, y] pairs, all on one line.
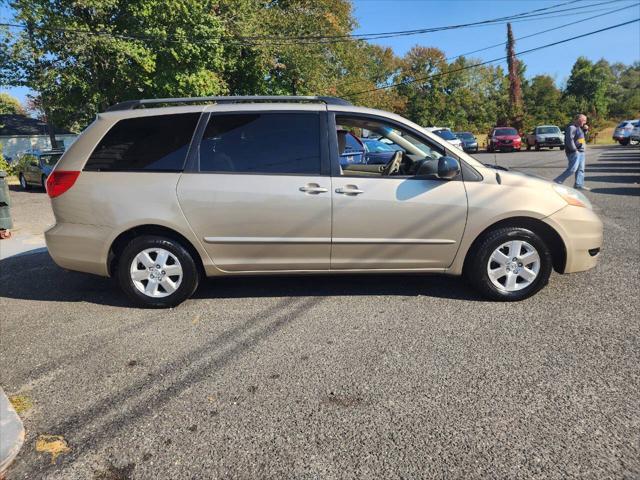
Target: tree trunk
{"points": [[515, 88]]}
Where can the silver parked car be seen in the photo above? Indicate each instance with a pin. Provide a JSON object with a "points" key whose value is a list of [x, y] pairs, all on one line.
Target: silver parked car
{"points": [[622, 133], [161, 197]]}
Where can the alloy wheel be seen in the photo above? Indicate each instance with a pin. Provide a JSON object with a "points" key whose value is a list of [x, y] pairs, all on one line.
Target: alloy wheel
{"points": [[514, 265], [156, 272]]}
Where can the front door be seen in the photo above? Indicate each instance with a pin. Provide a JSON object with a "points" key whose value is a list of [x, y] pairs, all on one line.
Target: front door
{"points": [[390, 218], [260, 199]]}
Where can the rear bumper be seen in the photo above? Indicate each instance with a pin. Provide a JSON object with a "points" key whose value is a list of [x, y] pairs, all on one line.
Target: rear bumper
{"points": [[79, 247], [582, 232]]}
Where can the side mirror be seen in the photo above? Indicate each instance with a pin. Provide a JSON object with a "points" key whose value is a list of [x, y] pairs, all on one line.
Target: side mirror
{"points": [[448, 168]]}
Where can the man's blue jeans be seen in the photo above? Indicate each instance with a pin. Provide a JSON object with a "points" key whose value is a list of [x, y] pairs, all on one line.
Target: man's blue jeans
{"points": [[576, 165]]}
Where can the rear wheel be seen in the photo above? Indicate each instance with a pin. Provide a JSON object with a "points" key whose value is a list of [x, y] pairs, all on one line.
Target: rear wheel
{"points": [[537, 147], [157, 272], [509, 264], [23, 182], [43, 182]]}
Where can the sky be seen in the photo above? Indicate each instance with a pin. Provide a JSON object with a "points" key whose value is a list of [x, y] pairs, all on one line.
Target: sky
{"points": [[375, 16]]}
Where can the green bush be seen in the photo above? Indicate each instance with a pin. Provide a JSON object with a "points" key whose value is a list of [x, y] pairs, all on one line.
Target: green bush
{"points": [[4, 165]]}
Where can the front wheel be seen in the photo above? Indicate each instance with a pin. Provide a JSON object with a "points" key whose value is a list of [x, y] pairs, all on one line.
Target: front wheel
{"points": [[561, 148], [509, 264], [23, 182], [157, 272], [624, 142], [43, 182]]}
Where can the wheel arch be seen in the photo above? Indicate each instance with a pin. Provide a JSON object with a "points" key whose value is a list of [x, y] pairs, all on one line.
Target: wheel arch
{"points": [[119, 243], [550, 237]]}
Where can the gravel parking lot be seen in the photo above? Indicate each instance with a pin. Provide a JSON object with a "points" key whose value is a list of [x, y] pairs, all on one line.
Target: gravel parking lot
{"points": [[335, 377]]}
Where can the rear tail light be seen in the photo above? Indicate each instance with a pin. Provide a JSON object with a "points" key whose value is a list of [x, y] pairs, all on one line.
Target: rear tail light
{"points": [[60, 181]]}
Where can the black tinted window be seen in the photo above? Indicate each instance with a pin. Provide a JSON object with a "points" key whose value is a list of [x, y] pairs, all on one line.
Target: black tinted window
{"points": [[157, 143], [262, 143]]}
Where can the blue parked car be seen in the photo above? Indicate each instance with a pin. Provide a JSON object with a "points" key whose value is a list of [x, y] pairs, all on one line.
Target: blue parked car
{"points": [[377, 152], [469, 141], [34, 166], [353, 150]]}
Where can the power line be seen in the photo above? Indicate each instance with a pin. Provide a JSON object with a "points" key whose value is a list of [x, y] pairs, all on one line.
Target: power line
{"points": [[285, 40], [544, 31], [407, 82]]}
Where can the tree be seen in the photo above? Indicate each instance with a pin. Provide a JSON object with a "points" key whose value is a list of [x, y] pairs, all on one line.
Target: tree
{"points": [[10, 105], [543, 103], [82, 57], [515, 87], [587, 88]]}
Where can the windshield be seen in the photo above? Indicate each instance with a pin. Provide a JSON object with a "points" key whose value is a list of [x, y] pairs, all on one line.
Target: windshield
{"points": [[505, 131], [623, 124], [377, 146], [50, 160], [464, 135], [547, 130], [446, 134]]}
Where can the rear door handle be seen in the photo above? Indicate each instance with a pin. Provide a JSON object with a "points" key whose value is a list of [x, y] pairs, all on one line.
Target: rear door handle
{"points": [[350, 190], [313, 188]]}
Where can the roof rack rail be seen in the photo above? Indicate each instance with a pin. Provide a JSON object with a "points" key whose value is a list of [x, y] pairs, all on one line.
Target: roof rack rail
{"points": [[133, 104]]}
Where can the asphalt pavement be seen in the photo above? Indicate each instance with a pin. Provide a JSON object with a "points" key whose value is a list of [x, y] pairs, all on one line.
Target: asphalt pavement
{"points": [[334, 377]]}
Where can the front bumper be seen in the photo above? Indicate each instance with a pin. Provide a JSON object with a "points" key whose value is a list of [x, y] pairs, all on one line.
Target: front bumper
{"points": [[582, 233]]}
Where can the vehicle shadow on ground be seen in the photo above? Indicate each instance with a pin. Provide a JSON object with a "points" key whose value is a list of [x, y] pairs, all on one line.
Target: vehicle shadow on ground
{"points": [[36, 277], [32, 189], [629, 191]]}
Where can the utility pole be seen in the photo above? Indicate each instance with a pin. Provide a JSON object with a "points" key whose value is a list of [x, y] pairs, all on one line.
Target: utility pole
{"points": [[515, 87]]}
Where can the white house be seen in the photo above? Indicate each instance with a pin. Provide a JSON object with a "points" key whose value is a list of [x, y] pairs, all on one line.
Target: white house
{"points": [[19, 133]]}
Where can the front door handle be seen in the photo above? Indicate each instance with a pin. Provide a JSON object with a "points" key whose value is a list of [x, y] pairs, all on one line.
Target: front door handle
{"points": [[313, 188], [349, 190]]}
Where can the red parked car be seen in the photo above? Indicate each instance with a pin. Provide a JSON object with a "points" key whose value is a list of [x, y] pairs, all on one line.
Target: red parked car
{"points": [[504, 138]]}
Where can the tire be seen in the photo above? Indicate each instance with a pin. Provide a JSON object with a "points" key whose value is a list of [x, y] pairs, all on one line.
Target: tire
{"points": [[178, 257], [43, 182], [501, 288], [624, 142], [561, 148], [528, 147], [537, 147], [23, 182]]}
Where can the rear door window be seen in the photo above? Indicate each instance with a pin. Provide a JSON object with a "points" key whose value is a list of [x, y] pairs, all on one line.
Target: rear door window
{"points": [[262, 143], [156, 143]]}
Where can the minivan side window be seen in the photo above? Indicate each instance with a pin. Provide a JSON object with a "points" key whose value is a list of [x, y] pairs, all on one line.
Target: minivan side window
{"points": [[156, 143], [262, 143]]}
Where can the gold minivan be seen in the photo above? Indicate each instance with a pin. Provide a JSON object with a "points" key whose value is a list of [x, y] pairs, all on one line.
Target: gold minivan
{"points": [[161, 193]]}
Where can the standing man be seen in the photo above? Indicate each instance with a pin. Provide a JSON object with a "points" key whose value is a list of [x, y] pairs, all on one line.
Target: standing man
{"points": [[574, 146]]}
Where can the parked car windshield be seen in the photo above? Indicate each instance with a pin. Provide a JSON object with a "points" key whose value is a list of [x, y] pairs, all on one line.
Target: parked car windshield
{"points": [[376, 146], [623, 124], [505, 131], [50, 160], [446, 134], [547, 130], [464, 135]]}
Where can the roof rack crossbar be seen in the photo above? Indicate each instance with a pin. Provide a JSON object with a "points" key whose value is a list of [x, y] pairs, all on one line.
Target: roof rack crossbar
{"points": [[133, 104]]}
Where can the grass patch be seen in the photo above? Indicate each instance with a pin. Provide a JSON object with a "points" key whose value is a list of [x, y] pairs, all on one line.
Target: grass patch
{"points": [[21, 403]]}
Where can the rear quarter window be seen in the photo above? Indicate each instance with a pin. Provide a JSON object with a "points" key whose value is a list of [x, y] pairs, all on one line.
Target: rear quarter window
{"points": [[156, 143]]}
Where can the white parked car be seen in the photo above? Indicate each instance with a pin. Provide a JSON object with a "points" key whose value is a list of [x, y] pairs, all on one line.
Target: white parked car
{"points": [[446, 134], [635, 133]]}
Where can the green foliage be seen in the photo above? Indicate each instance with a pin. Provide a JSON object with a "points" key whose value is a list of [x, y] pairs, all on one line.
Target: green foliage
{"points": [[4, 165], [10, 105], [543, 103], [82, 56]]}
